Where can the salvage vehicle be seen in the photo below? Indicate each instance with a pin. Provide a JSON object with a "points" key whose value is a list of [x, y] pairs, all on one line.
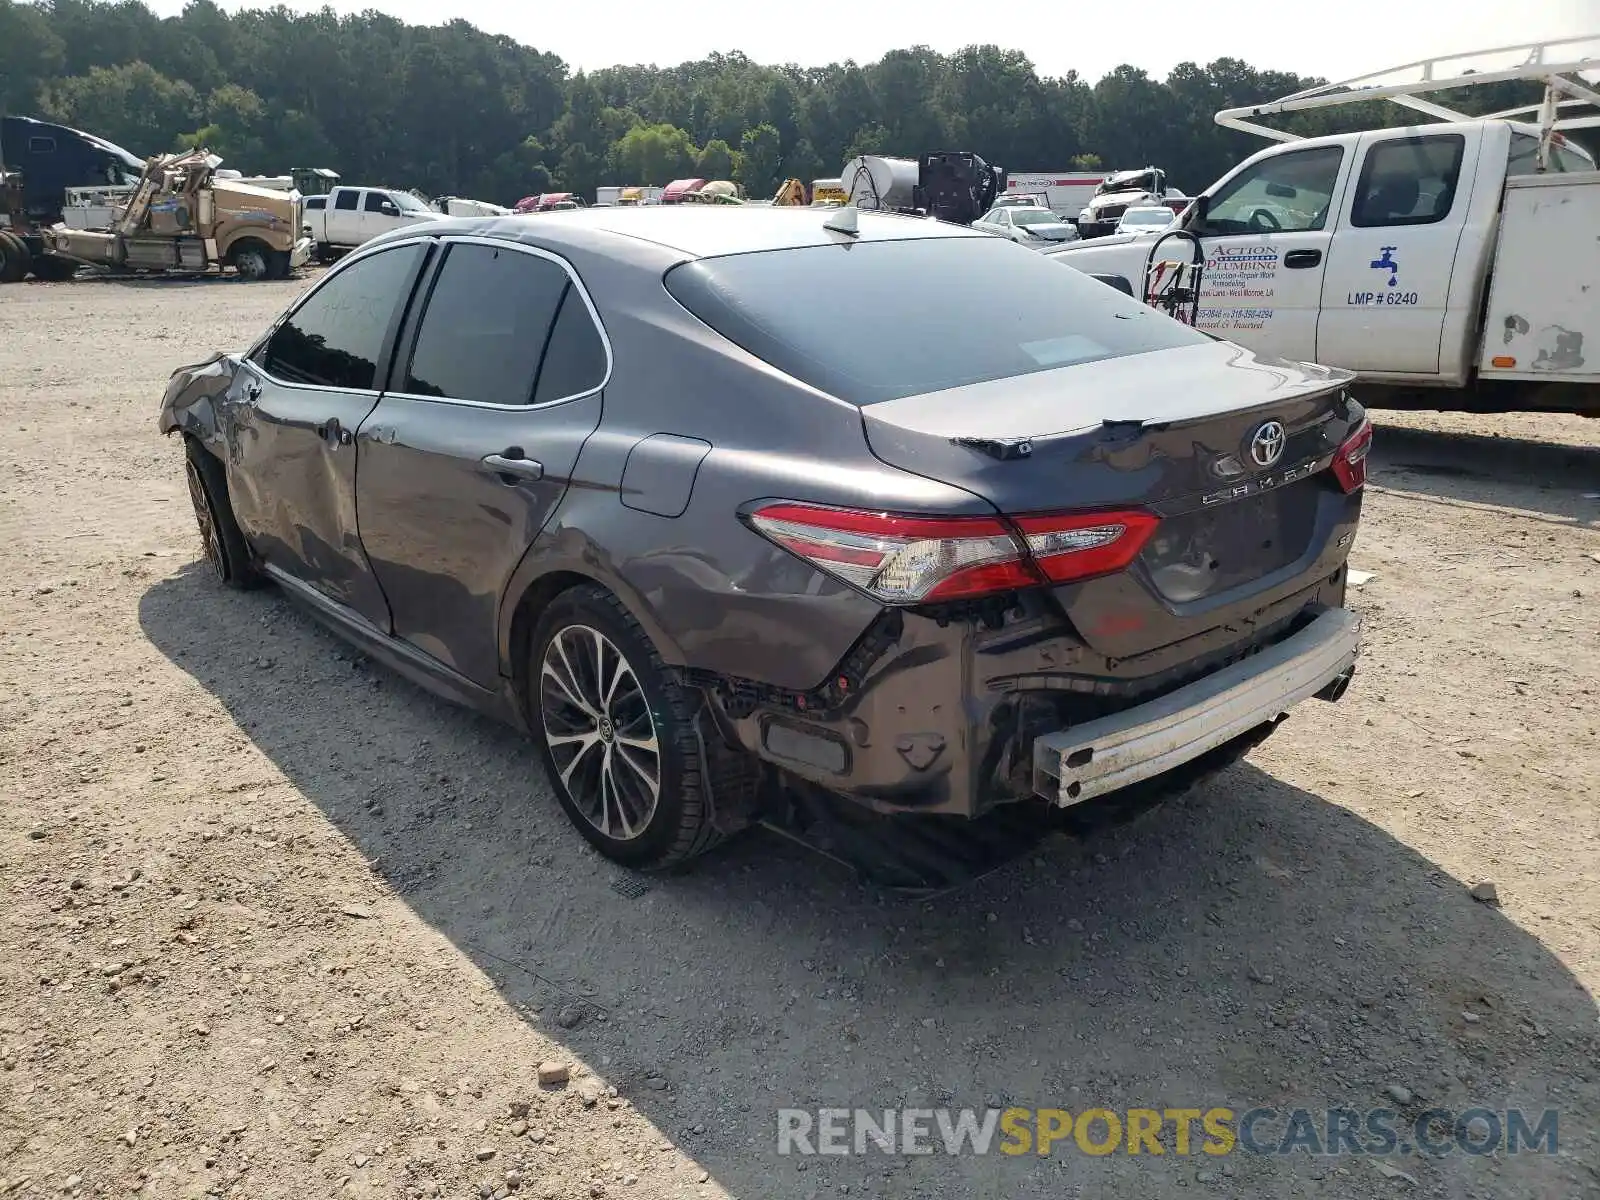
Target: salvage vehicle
{"points": [[41, 163], [1116, 194], [348, 216], [931, 566], [828, 192], [1145, 220], [458, 206], [180, 217], [1027, 225], [948, 185], [1450, 264]]}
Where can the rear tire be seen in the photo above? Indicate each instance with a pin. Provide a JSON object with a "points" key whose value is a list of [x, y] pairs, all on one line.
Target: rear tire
{"points": [[54, 270], [617, 733], [15, 261], [220, 535]]}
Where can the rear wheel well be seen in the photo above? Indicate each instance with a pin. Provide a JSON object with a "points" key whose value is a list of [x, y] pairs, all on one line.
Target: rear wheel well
{"points": [[531, 603]]}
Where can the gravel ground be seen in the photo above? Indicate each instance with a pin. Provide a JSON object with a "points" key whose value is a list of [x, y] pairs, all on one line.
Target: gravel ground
{"points": [[275, 923]]}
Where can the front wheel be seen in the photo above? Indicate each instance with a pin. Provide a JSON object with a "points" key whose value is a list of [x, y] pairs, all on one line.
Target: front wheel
{"points": [[220, 535], [251, 261], [617, 733]]}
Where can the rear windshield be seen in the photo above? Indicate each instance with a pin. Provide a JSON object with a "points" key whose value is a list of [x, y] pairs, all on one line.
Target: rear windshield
{"points": [[874, 321]]}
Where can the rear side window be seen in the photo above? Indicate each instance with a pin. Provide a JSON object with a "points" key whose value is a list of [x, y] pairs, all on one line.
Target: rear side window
{"points": [[904, 317], [1524, 157], [1409, 181], [336, 337], [575, 361], [488, 318], [346, 201]]}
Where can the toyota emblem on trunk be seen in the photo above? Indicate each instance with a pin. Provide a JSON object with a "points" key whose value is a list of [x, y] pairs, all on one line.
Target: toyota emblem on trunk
{"points": [[1266, 445]]}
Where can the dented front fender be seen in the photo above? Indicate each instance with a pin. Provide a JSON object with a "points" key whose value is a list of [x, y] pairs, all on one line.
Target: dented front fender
{"points": [[193, 399]]}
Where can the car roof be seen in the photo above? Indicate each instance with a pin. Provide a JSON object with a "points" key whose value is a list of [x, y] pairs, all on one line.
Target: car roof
{"points": [[706, 231]]}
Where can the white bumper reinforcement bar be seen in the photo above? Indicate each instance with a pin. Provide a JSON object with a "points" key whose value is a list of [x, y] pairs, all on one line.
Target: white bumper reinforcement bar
{"points": [[1111, 752]]}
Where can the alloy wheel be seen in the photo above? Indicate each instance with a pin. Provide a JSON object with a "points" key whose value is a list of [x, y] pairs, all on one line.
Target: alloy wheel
{"points": [[601, 733], [207, 520]]}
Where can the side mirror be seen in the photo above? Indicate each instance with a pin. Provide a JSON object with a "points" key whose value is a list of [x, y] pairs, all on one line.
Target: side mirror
{"points": [[391, 209]]}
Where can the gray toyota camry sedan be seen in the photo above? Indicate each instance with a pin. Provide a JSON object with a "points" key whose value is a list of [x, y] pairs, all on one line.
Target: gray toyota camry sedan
{"points": [[707, 498]]}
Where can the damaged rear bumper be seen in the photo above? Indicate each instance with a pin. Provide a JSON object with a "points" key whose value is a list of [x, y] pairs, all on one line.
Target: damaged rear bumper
{"points": [[1150, 739]]}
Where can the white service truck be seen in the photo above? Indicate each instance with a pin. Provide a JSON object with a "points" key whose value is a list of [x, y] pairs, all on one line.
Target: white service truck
{"points": [[348, 216], [1453, 265]]}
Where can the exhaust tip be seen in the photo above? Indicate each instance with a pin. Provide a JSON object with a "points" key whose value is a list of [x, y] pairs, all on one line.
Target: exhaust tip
{"points": [[1335, 688]]}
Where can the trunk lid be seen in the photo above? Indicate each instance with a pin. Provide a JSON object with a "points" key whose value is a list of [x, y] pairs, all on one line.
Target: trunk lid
{"points": [[1169, 432]]}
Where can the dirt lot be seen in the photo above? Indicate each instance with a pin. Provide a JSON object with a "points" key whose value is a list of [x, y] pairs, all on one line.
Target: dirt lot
{"points": [[277, 924]]}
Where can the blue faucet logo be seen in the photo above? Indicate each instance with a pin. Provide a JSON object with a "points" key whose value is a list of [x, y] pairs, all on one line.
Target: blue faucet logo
{"points": [[1387, 263]]}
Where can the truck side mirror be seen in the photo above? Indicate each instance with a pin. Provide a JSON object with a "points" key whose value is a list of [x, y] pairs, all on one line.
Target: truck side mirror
{"points": [[391, 209]]}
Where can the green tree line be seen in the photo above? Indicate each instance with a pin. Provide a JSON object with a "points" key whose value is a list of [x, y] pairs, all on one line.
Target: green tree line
{"points": [[449, 109]]}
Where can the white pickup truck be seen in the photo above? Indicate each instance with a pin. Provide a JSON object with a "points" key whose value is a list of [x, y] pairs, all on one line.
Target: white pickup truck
{"points": [[348, 216], [1449, 264]]}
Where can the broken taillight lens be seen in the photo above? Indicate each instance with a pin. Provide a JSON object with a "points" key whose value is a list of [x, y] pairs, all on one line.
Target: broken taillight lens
{"points": [[921, 560], [1350, 459]]}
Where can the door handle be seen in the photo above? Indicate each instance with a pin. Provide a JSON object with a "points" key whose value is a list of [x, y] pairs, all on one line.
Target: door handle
{"points": [[512, 467], [1296, 259], [332, 432]]}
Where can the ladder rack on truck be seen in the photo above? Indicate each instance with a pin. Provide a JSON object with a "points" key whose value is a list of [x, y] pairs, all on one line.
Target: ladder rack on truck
{"points": [[1559, 65]]}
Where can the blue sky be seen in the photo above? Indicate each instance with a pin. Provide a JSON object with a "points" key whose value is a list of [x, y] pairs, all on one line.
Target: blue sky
{"points": [[1348, 38]]}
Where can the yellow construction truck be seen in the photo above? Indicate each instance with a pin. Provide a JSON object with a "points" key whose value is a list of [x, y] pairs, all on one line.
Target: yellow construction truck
{"points": [[182, 217]]}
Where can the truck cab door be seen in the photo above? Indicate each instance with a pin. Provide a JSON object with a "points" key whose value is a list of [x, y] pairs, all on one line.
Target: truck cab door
{"points": [[1384, 299], [1266, 237], [342, 218], [379, 214]]}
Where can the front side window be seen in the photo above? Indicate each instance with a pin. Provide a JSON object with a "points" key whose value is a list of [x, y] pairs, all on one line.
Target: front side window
{"points": [[336, 337], [1409, 181], [375, 201], [346, 201], [1288, 192], [1054, 315], [483, 335]]}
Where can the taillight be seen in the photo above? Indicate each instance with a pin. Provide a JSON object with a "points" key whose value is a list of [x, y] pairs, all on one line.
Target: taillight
{"points": [[1072, 546], [920, 560], [1350, 459]]}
